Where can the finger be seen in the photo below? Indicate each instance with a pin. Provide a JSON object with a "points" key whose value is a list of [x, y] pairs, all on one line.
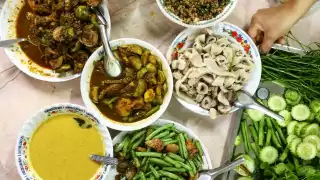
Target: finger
{"points": [[259, 38], [266, 44], [253, 31]]}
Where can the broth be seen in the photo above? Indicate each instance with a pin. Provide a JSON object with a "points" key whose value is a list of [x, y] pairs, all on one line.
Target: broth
{"points": [[61, 146]]}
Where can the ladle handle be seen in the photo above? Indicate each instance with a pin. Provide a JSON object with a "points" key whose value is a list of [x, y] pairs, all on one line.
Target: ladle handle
{"points": [[263, 109], [225, 168]]}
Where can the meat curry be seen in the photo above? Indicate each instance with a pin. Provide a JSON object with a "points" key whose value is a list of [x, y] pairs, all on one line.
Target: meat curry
{"points": [[62, 33], [139, 91]]}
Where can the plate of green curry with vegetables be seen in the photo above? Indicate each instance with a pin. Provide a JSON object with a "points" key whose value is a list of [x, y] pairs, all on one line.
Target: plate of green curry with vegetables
{"points": [[165, 149], [61, 36], [139, 96]]}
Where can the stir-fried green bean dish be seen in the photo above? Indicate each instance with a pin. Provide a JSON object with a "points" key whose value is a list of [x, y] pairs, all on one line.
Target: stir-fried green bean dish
{"points": [[281, 150], [158, 152], [137, 93], [62, 33]]}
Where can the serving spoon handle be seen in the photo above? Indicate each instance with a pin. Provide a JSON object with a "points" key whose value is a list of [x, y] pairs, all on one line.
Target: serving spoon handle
{"points": [[10, 42]]}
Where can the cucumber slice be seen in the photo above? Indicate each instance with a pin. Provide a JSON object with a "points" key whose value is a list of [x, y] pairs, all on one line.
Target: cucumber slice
{"points": [[300, 112], [245, 178], [294, 144], [277, 103], [299, 127], [269, 154], [247, 168], [312, 129], [291, 137], [291, 127], [306, 151], [255, 115], [313, 139], [280, 168], [287, 118]]}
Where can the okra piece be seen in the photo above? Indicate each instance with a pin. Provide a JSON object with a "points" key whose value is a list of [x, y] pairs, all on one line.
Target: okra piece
{"points": [[171, 161], [157, 131], [261, 132], [175, 157], [159, 162]]}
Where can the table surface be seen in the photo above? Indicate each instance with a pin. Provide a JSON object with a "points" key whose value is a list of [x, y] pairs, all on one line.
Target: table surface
{"points": [[21, 96]]}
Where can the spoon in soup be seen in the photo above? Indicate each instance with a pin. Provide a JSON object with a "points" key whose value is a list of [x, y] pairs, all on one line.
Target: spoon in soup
{"points": [[112, 65]]}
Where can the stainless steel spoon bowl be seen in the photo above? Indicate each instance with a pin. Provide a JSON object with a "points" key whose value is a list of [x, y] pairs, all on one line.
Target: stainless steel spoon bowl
{"points": [[112, 65]]}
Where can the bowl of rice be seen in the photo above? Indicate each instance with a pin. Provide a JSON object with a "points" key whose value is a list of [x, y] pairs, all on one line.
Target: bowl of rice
{"points": [[197, 14]]}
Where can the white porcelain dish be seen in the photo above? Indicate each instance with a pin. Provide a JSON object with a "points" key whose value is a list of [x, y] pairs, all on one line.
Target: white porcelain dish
{"points": [[9, 14], [85, 87], [201, 24], [161, 122], [234, 34], [24, 138]]}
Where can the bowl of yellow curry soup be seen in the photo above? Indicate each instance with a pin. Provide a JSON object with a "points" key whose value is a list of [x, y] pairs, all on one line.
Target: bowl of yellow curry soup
{"points": [[139, 96], [57, 141], [63, 33]]}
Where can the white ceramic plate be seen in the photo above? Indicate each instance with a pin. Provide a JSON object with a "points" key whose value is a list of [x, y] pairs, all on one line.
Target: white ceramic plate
{"points": [[201, 24], [162, 122], [85, 87], [234, 34], [22, 147], [8, 17]]}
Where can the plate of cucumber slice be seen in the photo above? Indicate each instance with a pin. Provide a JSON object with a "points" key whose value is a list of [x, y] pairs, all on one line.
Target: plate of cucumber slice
{"points": [[280, 150]]}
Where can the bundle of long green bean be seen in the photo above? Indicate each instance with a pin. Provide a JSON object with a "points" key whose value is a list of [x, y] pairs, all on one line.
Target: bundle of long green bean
{"points": [[158, 153], [299, 72]]}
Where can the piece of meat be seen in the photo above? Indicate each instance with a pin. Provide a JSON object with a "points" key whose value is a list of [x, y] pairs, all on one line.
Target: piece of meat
{"points": [[40, 6], [41, 20], [124, 107], [110, 90], [156, 144], [138, 103], [191, 148]]}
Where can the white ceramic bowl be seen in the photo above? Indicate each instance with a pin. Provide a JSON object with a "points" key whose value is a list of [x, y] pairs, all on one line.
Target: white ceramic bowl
{"points": [[85, 87], [162, 122], [201, 24], [234, 34], [22, 147], [9, 14]]}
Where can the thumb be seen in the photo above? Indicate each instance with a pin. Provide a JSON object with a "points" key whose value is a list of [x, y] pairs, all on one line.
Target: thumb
{"points": [[266, 44], [253, 31]]}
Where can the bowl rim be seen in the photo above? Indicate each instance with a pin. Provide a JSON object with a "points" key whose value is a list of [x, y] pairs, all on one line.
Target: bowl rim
{"points": [[203, 24], [85, 81], [161, 122], [103, 131], [53, 77], [195, 107]]}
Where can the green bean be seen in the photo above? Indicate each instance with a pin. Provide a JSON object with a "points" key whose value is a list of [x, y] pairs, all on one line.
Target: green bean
{"points": [[171, 161], [170, 135], [126, 147], [199, 158], [144, 160], [255, 149], [148, 174], [180, 147], [254, 134], [152, 178], [256, 125], [183, 146], [169, 174], [149, 154], [171, 142], [120, 146], [198, 145], [261, 132], [268, 138], [163, 178], [193, 166], [173, 169], [154, 172], [161, 135], [275, 139], [197, 163], [138, 142], [296, 163], [245, 136], [280, 133], [152, 111], [284, 155], [142, 177], [167, 139], [175, 157], [185, 136], [159, 162], [269, 123], [137, 176], [157, 131], [136, 161], [138, 135], [146, 166]]}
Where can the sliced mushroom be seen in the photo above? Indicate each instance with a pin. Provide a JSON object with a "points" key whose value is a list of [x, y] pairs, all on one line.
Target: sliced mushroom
{"points": [[213, 113], [222, 98], [199, 98], [221, 60], [177, 75], [182, 64], [214, 103], [192, 92], [208, 79], [184, 88], [211, 40], [192, 82], [174, 64], [202, 88], [206, 103], [224, 109]]}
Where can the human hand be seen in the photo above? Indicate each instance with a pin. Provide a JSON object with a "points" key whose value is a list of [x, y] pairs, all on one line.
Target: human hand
{"points": [[270, 25]]}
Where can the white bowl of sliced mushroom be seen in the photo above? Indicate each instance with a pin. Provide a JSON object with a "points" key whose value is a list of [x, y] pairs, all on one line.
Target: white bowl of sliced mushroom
{"points": [[211, 65]]}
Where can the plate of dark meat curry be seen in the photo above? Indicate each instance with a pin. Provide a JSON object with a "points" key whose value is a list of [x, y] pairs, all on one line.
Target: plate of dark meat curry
{"points": [[62, 35], [135, 99]]}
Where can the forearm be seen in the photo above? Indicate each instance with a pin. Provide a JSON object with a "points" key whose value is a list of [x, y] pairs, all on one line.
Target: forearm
{"points": [[299, 7]]}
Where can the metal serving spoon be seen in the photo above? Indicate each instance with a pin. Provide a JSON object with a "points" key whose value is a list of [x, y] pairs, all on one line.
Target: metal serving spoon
{"points": [[213, 173], [104, 159], [245, 100], [112, 65], [11, 42]]}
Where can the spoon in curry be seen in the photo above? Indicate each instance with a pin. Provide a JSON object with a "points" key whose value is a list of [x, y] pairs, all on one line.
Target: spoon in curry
{"points": [[112, 65]]}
